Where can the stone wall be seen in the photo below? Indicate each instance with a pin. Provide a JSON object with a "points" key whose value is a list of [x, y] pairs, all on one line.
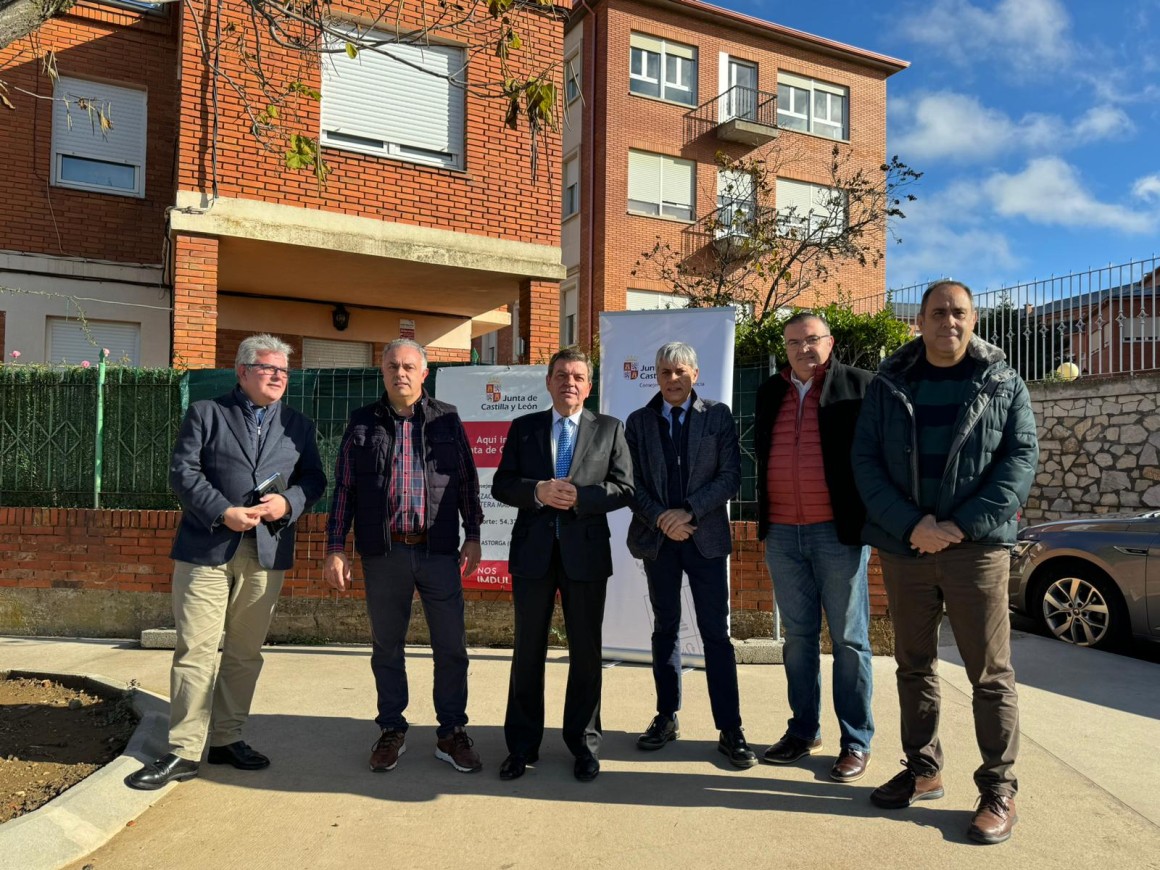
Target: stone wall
{"points": [[1099, 443]]}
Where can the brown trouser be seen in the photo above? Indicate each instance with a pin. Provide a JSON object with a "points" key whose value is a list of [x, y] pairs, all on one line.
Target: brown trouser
{"points": [[971, 581]]}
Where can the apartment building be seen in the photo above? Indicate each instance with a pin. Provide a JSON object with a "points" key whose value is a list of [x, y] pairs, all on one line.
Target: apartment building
{"points": [[654, 89], [178, 234]]}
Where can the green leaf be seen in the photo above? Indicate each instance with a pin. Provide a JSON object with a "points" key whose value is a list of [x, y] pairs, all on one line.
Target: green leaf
{"points": [[351, 50], [272, 112]]}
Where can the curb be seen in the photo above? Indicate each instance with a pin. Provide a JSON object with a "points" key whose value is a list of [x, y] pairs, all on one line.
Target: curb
{"points": [[93, 811]]}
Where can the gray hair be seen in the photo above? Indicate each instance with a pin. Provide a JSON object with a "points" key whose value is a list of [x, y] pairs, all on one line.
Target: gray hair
{"points": [[677, 352], [394, 344], [802, 317], [250, 347]]}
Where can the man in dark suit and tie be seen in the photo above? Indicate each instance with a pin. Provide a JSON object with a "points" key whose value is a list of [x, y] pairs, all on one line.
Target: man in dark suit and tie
{"points": [[565, 469], [686, 465], [232, 549]]}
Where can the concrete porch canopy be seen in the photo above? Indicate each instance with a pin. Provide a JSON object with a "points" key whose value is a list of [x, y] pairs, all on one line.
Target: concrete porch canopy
{"points": [[450, 283]]}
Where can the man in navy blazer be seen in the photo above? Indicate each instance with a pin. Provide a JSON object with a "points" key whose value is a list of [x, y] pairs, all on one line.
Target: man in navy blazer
{"points": [[565, 469], [686, 465], [233, 546]]}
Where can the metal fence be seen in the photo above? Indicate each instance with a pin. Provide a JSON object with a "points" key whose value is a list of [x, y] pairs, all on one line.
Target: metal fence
{"points": [[1099, 322]]}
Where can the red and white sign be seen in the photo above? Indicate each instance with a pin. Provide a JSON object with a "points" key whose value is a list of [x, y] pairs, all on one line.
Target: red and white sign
{"points": [[488, 399]]}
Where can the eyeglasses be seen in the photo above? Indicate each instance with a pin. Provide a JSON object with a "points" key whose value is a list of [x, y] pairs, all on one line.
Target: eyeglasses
{"points": [[810, 341], [267, 369]]}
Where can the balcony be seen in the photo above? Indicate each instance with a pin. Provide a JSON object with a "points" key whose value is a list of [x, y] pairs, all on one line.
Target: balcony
{"points": [[742, 115], [735, 230]]}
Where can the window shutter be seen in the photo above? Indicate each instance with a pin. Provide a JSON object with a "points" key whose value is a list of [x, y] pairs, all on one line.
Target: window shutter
{"points": [[644, 177], [68, 343], [678, 181], [325, 353], [648, 43], [797, 195], [125, 107], [381, 98]]}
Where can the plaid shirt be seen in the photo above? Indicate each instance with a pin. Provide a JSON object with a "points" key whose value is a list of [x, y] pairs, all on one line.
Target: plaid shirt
{"points": [[406, 492]]}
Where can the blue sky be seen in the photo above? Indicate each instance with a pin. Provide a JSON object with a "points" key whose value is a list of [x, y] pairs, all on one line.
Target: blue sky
{"points": [[1036, 123]]}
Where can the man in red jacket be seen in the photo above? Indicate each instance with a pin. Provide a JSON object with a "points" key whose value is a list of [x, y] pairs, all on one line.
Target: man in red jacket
{"points": [[810, 517]]}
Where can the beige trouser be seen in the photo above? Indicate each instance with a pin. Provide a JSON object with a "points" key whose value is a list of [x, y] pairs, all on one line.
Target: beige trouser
{"points": [[237, 598]]}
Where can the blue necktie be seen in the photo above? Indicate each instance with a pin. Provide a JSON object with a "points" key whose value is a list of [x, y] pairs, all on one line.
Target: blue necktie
{"points": [[563, 456]]}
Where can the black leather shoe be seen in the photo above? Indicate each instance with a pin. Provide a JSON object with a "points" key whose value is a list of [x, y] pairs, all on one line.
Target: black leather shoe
{"points": [[733, 746], [789, 749], [586, 768], [515, 764], [239, 755], [663, 729], [166, 769]]}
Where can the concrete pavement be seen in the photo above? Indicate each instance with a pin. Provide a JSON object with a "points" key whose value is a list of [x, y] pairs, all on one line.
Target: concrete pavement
{"points": [[1088, 771]]}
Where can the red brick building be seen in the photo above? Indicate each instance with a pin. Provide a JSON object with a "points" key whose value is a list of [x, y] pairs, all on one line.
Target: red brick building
{"points": [[654, 89], [176, 233]]}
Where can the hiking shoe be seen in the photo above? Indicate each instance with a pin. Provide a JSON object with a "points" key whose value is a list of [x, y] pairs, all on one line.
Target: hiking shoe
{"points": [[907, 787], [387, 749], [456, 750]]}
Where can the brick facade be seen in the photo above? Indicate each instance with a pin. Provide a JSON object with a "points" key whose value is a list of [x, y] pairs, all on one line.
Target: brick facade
{"points": [[616, 121], [539, 321], [131, 49], [195, 301]]}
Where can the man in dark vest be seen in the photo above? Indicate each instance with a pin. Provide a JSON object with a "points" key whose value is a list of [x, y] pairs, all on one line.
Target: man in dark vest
{"points": [[810, 517], [403, 477]]}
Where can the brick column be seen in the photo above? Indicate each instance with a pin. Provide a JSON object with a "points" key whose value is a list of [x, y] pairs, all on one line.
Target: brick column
{"points": [[539, 321], [195, 307]]}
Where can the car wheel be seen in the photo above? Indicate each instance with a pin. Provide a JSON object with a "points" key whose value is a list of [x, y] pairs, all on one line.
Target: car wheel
{"points": [[1081, 605]]}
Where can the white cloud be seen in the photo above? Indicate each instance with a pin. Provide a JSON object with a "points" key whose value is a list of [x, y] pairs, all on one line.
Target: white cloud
{"points": [[1148, 187], [1030, 35], [1104, 122], [946, 125], [1050, 191]]}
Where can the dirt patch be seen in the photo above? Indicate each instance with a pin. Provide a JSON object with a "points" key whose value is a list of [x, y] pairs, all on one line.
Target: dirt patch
{"points": [[52, 737]]}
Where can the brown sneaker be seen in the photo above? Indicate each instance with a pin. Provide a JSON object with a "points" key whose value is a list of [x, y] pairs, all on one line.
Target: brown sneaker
{"points": [[994, 819], [456, 750], [907, 787], [387, 749]]}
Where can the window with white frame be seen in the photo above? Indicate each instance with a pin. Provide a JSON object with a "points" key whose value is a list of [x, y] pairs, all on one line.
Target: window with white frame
{"points": [[653, 300], [805, 209], [89, 155], [736, 202], [571, 199], [572, 77], [402, 101], [813, 107], [569, 304], [74, 342], [662, 69], [1139, 328], [328, 353], [660, 185]]}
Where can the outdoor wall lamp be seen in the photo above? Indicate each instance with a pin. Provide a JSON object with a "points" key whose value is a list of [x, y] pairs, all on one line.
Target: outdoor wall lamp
{"points": [[340, 317]]}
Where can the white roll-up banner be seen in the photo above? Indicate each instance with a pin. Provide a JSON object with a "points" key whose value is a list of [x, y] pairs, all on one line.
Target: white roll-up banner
{"points": [[488, 399], [628, 344]]}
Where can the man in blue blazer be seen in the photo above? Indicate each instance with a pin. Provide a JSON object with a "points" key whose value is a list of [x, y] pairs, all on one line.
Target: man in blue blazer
{"points": [[686, 466], [233, 546], [565, 469]]}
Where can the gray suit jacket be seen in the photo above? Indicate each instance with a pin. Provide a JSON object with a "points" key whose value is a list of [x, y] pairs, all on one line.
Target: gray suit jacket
{"points": [[214, 468], [602, 474], [714, 460]]}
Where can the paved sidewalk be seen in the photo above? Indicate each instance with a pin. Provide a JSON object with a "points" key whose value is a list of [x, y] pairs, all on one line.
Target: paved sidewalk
{"points": [[1088, 772]]}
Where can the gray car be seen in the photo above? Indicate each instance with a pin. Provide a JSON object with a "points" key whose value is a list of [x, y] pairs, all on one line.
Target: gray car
{"points": [[1091, 582]]}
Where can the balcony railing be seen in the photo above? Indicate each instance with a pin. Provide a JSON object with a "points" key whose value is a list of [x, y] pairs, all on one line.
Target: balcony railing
{"points": [[743, 115]]}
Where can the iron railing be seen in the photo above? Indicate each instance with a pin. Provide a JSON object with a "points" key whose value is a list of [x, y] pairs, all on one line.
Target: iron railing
{"points": [[738, 103]]}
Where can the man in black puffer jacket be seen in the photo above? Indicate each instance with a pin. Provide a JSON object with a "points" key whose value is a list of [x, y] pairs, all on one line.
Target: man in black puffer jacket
{"points": [[944, 455]]}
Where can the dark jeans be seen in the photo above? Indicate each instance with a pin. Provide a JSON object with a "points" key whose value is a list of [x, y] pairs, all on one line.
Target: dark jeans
{"points": [[971, 581], [709, 585], [813, 571], [533, 599], [391, 581]]}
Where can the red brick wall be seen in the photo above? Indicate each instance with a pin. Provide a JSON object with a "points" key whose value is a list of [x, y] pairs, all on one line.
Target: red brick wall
{"points": [[195, 301], [111, 45], [616, 121], [539, 321], [128, 551], [493, 196]]}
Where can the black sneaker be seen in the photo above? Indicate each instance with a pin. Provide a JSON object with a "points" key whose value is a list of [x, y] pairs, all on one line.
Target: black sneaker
{"points": [[789, 749], [733, 746], [663, 729]]}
